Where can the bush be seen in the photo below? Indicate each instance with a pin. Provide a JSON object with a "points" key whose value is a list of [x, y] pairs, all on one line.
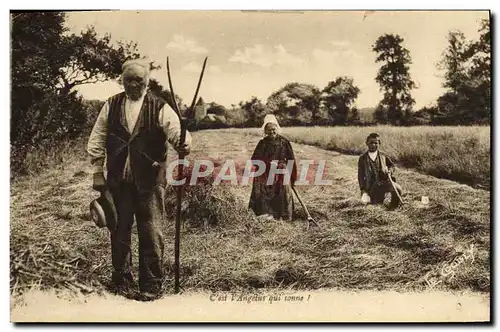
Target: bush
{"points": [[236, 117], [44, 126]]}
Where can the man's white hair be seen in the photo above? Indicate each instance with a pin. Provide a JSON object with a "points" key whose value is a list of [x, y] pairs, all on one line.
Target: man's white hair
{"points": [[143, 63]]}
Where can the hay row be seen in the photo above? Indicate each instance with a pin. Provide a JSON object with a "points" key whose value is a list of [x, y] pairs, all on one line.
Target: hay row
{"points": [[45, 265]]}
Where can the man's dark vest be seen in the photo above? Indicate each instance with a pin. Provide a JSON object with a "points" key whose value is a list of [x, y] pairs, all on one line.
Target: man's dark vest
{"points": [[146, 143], [376, 168]]}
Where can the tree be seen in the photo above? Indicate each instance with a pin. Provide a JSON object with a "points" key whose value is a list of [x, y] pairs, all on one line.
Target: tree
{"points": [[423, 116], [480, 71], [354, 118], [159, 91], [45, 61], [467, 79], [216, 109], [394, 78], [380, 115], [236, 117], [45, 65], [39, 36], [255, 111], [337, 97], [448, 109], [481, 54], [295, 103], [91, 59], [34, 67], [454, 61]]}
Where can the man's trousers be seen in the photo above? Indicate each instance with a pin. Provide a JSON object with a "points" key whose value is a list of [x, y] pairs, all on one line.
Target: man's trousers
{"points": [[149, 210], [378, 191]]}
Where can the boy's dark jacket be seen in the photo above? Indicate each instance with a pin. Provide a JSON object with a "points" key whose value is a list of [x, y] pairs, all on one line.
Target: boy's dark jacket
{"points": [[366, 177]]}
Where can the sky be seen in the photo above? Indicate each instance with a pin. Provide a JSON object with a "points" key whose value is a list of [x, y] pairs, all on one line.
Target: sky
{"points": [[253, 53]]}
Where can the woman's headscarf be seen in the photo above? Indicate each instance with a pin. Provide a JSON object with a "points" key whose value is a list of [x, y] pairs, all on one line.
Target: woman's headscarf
{"points": [[270, 118]]}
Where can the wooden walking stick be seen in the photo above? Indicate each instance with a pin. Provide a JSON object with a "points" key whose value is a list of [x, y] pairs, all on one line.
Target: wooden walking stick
{"points": [[180, 172]]}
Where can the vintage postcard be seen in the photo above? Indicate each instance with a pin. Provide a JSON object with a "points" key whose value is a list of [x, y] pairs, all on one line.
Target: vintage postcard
{"points": [[250, 166]]}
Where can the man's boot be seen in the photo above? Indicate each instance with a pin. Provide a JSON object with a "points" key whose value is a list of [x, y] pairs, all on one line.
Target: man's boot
{"points": [[123, 283], [151, 291]]}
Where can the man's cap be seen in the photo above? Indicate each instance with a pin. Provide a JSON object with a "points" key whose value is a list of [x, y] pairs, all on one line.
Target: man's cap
{"points": [[103, 211]]}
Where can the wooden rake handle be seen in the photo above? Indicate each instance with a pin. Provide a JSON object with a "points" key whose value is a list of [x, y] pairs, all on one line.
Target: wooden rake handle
{"points": [[394, 188], [309, 218]]}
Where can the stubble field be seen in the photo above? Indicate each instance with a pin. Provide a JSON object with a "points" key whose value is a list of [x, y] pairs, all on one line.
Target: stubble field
{"points": [[444, 245]]}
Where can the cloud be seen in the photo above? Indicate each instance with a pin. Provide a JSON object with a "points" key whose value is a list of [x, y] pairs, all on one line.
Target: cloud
{"points": [[195, 67], [180, 43], [341, 44], [339, 49], [192, 67], [214, 69], [266, 57]]}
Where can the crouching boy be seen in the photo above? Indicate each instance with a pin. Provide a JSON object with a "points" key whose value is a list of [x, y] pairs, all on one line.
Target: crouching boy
{"points": [[374, 169]]}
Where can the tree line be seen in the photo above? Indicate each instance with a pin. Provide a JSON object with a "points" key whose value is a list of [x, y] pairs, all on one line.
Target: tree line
{"points": [[467, 80], [48, 63]]}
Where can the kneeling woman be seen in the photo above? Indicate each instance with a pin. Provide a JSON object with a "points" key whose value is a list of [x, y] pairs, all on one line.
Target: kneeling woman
{"points": [[274, 198]]}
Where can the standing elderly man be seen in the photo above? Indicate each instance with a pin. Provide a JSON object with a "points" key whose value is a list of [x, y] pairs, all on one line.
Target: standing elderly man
{"points": [[132, 133]]}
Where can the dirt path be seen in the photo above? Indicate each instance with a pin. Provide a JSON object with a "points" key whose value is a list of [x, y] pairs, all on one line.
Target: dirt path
{"points": [[357, 247]]}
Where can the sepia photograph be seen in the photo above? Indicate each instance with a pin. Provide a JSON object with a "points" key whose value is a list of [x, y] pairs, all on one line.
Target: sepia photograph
{"points": [[250, 166]]}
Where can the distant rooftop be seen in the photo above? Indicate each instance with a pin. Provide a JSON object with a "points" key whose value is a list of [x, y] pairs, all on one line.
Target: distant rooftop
{"points": [[200, 102]]}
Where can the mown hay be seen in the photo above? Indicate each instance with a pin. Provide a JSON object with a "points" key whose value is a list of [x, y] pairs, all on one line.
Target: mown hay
{"points": [[225, 247], [46, 265], [207, 204]]}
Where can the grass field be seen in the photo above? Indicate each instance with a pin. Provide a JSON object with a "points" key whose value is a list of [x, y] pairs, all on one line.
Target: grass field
{"points": [[457, 153], [54, 245]]}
